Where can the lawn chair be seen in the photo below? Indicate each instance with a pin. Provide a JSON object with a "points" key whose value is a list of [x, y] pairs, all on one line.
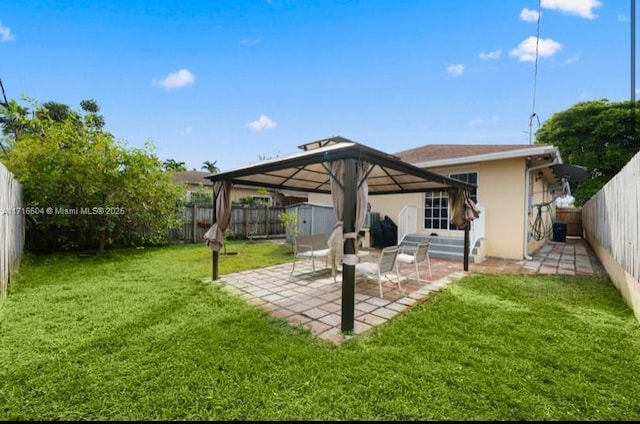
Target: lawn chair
{"points": [[312, 247], [385, 264], [416, 255]]}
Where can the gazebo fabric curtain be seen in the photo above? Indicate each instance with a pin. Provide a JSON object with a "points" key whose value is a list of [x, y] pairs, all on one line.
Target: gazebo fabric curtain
{"points": [[463, 209], [337, 190], [336, 169], [214, 237], [363, 193]]}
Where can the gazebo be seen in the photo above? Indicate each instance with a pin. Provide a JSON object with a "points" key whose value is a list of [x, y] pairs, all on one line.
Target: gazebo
{"points": [[347, 170]]}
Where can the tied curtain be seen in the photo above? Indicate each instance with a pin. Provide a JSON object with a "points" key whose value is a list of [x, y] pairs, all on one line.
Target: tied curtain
{"points": [[336, 169], [336, 172], [463, 209], [214, 237]]}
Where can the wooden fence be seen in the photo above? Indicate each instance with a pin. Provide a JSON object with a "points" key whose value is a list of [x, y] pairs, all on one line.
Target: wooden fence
{"points": [[11, 228], [246, 222], [573, 218], [611, 218]]}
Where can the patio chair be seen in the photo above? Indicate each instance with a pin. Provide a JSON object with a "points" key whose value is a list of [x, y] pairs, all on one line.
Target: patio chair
{"points": [[416, 255], [385, 264], [310, 247]]}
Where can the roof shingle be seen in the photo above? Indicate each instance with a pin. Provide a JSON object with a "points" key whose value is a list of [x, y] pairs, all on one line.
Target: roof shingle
{"points": [[432, 152]]}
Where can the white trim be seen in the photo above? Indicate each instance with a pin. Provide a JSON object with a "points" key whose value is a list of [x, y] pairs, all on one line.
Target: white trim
{"points": [[529, 151], [448, 229], [262, 197]]}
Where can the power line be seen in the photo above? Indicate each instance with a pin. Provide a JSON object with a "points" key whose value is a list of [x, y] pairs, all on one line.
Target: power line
{"points": [[535, 75], [6, 103], [632, 130]]}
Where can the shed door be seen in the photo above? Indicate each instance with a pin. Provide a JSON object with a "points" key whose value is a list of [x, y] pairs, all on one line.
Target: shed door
{"points": [[305, 220]]}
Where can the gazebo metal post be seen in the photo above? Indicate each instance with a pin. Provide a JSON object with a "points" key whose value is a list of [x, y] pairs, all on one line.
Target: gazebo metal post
{"points": [[466, 246], [215, 257], [348, 268]]}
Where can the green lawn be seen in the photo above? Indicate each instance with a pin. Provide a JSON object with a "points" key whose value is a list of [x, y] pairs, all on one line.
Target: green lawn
{"points": [[137, 335]]}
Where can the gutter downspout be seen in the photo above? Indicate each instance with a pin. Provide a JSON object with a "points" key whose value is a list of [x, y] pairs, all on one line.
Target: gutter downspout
{"points": [[527, 183]]}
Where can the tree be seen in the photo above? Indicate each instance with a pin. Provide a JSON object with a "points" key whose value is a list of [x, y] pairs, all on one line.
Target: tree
{"points": [[202, 195], [600, 135], [290, 222], [13, 118], [210, 166], [171, 165], [58, 112], [77, 176]]}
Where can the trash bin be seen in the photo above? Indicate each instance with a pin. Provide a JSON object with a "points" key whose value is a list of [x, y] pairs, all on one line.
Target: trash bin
{"points": [[560, 232]]}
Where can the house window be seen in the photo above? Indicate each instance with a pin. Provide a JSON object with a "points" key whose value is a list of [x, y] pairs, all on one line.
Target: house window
{"points": [[436, 210], [436, 204], [261, 200]]}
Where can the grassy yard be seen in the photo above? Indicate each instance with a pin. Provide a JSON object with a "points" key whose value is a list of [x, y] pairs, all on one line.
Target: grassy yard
{"points": [[137, 335]]}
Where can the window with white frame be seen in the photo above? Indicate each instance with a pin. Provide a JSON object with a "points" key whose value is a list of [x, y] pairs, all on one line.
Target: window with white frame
{"points": [[436, 204], [265, 200]]}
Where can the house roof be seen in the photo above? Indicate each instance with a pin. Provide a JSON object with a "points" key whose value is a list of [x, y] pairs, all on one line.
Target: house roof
{"points": [[192, 177], [306, 170], [432, 155]]}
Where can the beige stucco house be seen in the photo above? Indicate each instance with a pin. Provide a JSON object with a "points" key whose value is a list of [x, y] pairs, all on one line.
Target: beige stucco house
{"points": [[194, 182], [515, 183]]}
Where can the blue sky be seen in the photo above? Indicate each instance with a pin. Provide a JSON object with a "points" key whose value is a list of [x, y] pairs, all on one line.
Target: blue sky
{"points": [[231, 81]]}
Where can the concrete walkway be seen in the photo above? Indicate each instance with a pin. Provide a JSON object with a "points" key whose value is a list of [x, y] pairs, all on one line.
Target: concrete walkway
{"points": [[312, 299]]}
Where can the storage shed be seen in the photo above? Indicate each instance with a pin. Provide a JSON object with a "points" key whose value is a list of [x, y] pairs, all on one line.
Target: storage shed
{"points": [[313, 218]]}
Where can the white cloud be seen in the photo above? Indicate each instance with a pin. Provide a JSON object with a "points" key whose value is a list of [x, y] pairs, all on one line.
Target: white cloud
{"points": [[251, 42], [5, 33], [526, 50], [455, 70], [179, 79], [571, 60], [262, 123], [623, 18], [582, 8], [491, 55], [529, 15], [481, 121], [186, 131]]}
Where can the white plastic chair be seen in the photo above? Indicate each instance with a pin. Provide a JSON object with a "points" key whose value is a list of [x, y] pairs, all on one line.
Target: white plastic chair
{"points": [[415, 256], [385, 264]]}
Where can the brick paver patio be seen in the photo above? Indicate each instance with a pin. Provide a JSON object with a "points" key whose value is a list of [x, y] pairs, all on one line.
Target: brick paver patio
{"points": [[313, 299]]}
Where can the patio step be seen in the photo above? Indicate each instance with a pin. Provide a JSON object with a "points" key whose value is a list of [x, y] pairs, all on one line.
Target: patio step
{"points": [[451, 248]]}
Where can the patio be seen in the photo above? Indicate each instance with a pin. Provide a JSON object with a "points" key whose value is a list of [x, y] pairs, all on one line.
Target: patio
{"points": [[313, 299]]}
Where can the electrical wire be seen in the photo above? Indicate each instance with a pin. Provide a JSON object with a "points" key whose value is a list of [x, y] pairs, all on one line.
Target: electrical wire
{"points": [[6, 103], [542, 228], [535, 75]]}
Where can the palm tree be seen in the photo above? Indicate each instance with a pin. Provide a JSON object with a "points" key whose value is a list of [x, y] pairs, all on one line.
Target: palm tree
{"points": [[210, 166], [13, 118], [172, 165]]}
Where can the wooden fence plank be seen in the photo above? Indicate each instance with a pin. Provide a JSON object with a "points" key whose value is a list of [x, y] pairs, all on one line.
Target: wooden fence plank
{"points": [[11, 228], [573, 218], [612, 217], [246, 222]]}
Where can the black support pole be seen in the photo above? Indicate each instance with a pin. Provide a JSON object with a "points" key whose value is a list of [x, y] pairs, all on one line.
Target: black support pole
{"points": [[349, 219], [466, 246], [215, 255]]}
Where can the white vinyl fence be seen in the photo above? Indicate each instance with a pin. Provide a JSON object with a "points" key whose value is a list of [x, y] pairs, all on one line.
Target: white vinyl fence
{"points": [[11, 228], [611, 218]]}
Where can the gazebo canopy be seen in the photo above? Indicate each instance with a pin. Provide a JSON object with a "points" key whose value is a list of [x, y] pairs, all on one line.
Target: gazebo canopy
{"points": [[353, 170], [307, 170]]}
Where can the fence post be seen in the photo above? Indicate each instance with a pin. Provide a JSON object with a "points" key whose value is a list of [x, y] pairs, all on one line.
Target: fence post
{"points": [[12, 228], [194, 223], [245, 220]]}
